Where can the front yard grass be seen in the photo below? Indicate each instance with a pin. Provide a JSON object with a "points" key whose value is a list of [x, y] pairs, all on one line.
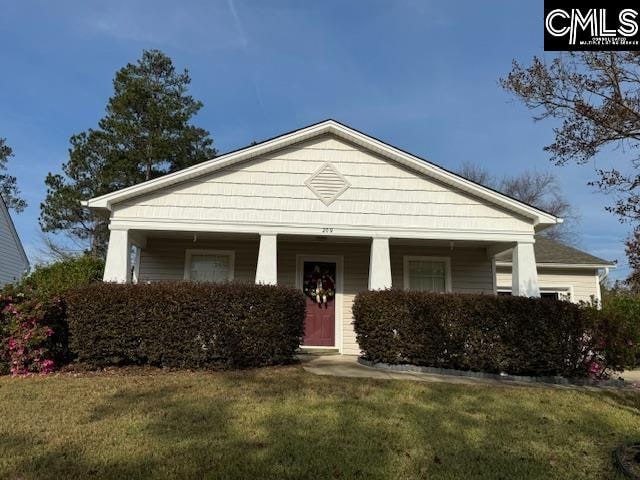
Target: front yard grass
{"points": [[287, 423]]}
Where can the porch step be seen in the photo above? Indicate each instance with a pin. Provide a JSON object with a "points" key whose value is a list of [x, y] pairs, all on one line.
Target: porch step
{"points": [[317, 351]]}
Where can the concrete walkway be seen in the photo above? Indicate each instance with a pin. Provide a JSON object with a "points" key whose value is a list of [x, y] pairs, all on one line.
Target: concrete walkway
{"points": [[348, 366], [631, 376]]}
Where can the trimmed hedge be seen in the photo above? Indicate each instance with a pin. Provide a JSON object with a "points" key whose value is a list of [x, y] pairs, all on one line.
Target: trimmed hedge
{"points": [[519, 336], [190, 325]]}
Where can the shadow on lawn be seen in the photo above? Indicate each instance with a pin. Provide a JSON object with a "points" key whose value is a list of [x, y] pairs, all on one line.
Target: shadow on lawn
{"points": [[625, 399], [265, 426]]}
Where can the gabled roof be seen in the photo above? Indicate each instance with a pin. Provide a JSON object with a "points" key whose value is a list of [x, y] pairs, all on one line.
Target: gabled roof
{"points": [[540, 218], [4, 211], [551, 253]]}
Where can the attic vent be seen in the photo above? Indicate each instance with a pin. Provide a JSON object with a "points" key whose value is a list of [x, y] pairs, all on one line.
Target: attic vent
{"points": [[327, 183]]}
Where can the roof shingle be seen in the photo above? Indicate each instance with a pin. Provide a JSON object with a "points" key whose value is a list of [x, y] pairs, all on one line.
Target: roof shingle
{"points": [[550, 251]]}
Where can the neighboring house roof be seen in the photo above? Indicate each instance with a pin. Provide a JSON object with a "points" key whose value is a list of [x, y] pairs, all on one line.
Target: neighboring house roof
{"points": [[540, 218], [551, 253], [9, 239]]}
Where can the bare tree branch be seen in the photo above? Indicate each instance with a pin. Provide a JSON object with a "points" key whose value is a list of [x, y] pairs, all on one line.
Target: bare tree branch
{"points": [[539, 189]]}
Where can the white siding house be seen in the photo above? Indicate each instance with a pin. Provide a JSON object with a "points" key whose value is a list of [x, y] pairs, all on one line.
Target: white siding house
{"points": [[323, 205], [13, 260]]}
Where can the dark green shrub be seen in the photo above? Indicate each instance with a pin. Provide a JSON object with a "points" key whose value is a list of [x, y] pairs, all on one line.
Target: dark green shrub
{"points": [[616, 331], [185, 324], [519, 336], [47, 281]]}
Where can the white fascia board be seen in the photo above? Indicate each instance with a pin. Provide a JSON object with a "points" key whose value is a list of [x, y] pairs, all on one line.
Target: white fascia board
{"points": [[539, 217]]}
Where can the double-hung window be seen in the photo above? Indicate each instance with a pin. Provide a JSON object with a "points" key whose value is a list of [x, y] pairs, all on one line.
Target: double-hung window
{"points": [[209, 265], [427, 274]]}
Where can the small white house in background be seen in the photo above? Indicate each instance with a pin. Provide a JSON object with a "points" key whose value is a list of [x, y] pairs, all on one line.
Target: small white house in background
{"points": [[332, 211], [13, 261]]}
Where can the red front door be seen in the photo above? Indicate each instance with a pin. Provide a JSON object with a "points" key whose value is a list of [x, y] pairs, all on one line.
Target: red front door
{"points": [[319, 284]]}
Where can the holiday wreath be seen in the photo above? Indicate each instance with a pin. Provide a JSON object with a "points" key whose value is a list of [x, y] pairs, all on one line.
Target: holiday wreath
{"points": [[319, 285]]}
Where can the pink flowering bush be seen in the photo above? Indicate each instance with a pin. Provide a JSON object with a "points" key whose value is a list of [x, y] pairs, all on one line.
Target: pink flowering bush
{"points": [[33, 334], [33, 325]]}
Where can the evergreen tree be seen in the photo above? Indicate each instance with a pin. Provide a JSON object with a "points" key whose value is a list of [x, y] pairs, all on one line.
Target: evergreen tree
{"points": [[9, 190], [146, 133]]}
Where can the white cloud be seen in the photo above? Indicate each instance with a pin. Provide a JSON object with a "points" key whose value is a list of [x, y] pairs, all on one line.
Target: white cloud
{"points": [[238, 22]]}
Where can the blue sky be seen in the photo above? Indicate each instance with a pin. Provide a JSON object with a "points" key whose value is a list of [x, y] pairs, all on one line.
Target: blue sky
{"points": [[422, 75]]}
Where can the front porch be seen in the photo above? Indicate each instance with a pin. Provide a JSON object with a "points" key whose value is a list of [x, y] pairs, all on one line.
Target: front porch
{"points": [[361, 263]]}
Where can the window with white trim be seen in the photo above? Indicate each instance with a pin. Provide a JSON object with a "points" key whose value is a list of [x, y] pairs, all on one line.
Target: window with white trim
{"points": [[427, 274], [556, 294], [209, 265], [562, 293]]}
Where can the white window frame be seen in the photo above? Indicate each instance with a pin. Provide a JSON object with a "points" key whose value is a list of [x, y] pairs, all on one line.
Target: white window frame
{"points": [[190, 252], [447, 269], [561, 290]]}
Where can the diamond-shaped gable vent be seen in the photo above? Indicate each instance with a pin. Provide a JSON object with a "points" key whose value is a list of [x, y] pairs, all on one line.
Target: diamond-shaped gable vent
{"points": [[327, 183]]}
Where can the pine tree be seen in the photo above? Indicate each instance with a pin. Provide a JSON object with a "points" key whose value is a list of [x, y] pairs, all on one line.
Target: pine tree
{"points": [[9, 190], [146, 133]]}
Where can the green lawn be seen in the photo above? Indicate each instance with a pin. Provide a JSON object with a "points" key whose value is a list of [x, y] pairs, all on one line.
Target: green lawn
{"points": [[286, 423]]}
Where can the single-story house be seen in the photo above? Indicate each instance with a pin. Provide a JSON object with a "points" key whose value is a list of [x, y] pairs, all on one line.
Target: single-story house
{"points": [[329, 210], [13, 260]]}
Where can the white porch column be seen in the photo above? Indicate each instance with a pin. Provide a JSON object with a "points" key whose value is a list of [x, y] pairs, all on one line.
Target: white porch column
{"points": [[117, 268], [524, 277], [379, 264], [267, 270]]}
